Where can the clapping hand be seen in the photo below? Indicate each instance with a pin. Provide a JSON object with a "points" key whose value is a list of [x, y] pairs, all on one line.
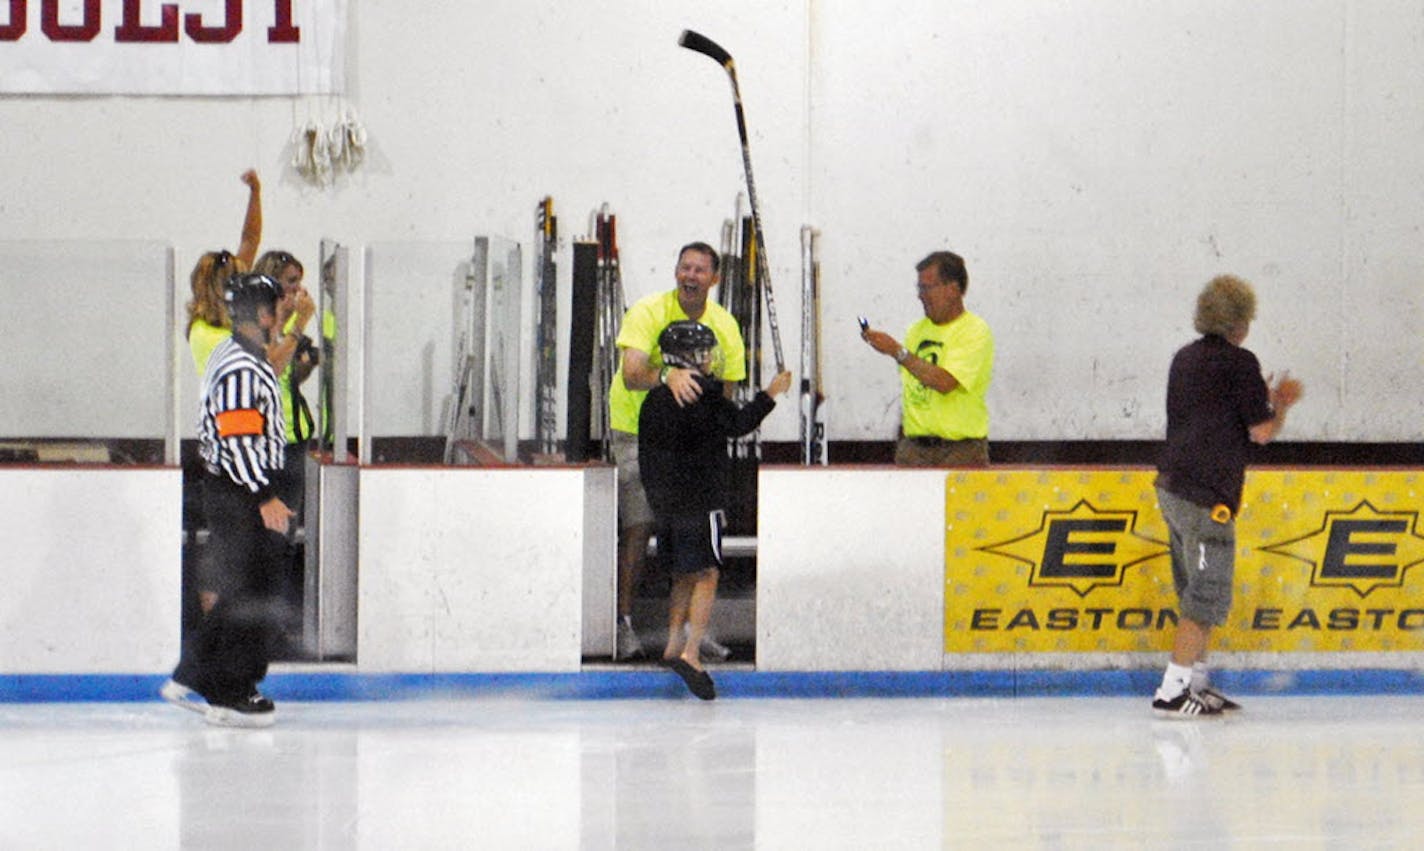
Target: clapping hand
{"points": [[1285, 392]]}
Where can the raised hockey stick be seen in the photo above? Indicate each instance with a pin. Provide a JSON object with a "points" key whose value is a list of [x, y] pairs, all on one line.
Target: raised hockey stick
{"points": [[707, 47]]}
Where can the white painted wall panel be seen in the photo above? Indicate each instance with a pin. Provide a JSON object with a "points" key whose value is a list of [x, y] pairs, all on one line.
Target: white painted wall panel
{"points": [[600, 576], [850, 569], [91, 567], [466, 569]]}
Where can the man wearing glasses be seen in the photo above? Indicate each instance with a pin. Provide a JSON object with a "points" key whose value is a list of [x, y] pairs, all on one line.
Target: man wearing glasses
{"points": [[946, 363]]}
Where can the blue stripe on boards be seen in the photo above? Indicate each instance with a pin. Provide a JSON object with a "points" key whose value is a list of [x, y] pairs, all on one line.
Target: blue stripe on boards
{"points": [[646, 683]]}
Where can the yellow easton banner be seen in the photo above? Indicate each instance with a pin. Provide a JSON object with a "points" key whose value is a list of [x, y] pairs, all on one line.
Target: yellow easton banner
{"points": [[1076, 560]]}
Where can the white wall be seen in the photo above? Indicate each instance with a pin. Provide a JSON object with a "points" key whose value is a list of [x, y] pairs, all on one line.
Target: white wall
{"points": [[91, 567], [1094, 161]]}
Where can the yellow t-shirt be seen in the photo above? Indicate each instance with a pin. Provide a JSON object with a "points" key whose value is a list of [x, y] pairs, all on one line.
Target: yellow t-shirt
{"points": [[965, 349], [643, 323], [202, 339]]}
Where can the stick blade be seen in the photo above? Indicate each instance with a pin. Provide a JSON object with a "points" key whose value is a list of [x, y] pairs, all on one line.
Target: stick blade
{"points": [[704, 45]]}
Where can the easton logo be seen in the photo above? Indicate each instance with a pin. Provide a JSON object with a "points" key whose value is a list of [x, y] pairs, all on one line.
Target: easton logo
{"points": [[1081, 549], [1361, 549]]}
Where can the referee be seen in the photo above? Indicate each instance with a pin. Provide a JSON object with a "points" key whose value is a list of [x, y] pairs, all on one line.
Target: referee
{"points": [[242, 441]]}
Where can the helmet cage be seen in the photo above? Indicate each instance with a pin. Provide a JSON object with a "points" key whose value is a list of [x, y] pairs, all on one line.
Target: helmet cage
{"points": [[691, 345]]}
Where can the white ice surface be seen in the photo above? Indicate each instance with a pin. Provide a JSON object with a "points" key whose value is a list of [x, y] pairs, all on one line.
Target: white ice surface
{"points": [[1286, 772]]}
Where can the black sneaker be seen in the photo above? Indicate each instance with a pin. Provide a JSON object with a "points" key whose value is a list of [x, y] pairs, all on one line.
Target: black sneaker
{"points": [[1184, 705], [1212, 697], [254, 710]]}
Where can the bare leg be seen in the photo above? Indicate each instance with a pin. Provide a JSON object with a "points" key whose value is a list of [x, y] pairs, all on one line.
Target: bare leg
{"points": [[1190, 643], [679, 602], [699, 613]]}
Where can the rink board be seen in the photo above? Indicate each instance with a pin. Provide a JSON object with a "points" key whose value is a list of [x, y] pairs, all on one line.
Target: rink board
{"points": [[1077, 562]]}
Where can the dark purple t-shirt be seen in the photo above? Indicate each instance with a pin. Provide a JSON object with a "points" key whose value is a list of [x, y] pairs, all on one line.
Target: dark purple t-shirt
{"points": [[1215, 393]]}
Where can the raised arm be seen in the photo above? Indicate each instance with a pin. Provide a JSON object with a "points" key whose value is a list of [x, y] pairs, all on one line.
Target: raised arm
{"points": [[252, 222]]}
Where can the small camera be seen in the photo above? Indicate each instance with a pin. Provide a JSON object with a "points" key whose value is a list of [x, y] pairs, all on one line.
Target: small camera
{"points": [[307, 351]]}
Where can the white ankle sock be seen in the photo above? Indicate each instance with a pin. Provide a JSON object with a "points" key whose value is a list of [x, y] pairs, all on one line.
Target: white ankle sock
{"points": [[1175, 680]]}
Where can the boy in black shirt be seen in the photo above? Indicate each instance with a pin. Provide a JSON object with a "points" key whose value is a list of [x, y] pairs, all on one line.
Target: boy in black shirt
{"points": [[682, 454]]}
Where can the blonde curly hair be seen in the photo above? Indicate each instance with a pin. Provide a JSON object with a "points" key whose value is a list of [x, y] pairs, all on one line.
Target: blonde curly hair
{"points": [[1227, 304]]}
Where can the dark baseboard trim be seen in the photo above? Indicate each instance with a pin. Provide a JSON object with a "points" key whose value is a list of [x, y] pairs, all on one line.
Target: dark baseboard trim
{"points": [[1125, 452]]}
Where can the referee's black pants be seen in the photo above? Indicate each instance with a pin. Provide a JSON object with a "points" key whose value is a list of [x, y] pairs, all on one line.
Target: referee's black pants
{"points": [[227, 654]]}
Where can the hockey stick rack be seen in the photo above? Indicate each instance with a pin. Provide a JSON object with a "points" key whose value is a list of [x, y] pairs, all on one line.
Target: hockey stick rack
{"points": [[812, 410], [596, 314]]}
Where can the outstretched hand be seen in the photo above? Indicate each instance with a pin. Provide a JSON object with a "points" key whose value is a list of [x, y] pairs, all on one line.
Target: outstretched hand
{"points": [[250, 179], [780, 383]]}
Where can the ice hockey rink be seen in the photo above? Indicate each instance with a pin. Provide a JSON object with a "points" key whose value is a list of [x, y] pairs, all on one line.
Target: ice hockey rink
{"points": [[672, 772]]}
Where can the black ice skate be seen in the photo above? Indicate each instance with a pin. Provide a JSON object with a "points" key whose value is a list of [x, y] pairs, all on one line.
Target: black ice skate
{"points": [[254, 710]]}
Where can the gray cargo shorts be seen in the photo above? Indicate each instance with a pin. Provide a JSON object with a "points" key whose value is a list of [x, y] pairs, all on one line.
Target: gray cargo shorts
{"points": [[1203, 559], [633, 508]]}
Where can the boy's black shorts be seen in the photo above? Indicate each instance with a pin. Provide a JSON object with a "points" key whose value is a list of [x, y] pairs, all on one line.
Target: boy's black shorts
{"points": [[691, 543]]}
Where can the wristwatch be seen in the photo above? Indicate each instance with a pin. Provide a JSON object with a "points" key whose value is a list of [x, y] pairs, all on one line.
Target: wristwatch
{"points": [[663, 374], [902, 355]]}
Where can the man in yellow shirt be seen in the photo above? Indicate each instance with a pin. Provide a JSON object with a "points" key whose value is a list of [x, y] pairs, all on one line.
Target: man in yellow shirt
{"points": [[641, 369], [946, 363]]}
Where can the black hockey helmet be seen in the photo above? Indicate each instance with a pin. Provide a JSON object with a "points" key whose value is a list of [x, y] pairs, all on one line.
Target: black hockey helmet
{"points": [[691, 345], [247, 292]]}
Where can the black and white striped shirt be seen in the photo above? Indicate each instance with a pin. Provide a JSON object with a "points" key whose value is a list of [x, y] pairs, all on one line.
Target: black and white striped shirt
{"points": [[240, 430]]}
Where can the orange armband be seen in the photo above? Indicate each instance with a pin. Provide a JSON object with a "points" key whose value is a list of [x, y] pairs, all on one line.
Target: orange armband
{"points": [[241, 422]]}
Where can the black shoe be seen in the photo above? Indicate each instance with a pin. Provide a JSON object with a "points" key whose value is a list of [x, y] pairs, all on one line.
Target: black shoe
{"points": [[1184, 705], [698, 682], [254, 710], [1212, 697]]}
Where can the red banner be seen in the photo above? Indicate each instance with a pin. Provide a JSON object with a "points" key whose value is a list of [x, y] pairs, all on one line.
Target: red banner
{"points": [[153, 47]]}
